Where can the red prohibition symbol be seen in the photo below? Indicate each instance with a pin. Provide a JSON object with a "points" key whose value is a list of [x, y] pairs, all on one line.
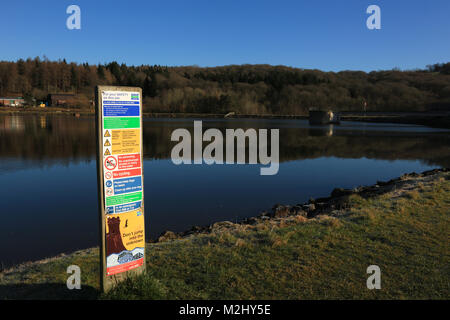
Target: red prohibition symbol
{"points": [[110, 163]]}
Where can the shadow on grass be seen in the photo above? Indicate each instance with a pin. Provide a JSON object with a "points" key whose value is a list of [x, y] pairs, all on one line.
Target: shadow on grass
{"points": [[46, 291]]}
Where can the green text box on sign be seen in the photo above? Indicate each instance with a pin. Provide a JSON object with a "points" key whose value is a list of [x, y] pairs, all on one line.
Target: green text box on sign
{"points": [[111, 201], [121, 123]]}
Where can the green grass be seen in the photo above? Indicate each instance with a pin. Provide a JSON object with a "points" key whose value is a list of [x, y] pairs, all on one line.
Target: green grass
{"points": [[326, 258]]}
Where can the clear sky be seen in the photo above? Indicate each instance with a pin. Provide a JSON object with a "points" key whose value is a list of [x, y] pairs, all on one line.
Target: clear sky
{"points": [[319, 34]]}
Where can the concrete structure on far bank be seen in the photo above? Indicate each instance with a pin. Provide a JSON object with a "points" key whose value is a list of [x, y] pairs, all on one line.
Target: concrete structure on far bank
{"points": [[60, 99], [323, 117]]}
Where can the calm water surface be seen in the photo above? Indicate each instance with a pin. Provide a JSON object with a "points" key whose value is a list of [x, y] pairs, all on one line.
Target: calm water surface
{"points": [[48, 175]]}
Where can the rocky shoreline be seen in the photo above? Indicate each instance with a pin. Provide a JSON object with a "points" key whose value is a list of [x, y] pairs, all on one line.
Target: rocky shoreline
{"points": [[331, 206]]}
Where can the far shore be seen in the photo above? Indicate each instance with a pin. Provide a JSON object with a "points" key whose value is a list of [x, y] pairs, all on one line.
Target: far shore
{"points": [[436, 119]]}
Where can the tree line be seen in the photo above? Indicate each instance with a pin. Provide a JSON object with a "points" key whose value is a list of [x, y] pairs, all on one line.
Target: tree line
{"points": [[244, 89]]}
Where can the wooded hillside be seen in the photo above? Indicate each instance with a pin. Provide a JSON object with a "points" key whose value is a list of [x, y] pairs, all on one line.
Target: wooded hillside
{"points": [[245, 89]]}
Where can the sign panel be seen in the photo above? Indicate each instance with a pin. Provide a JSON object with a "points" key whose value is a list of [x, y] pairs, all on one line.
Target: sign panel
{"points": [[120, 173]]}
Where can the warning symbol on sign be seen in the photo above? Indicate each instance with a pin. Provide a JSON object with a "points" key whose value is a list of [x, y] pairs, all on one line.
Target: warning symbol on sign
{"points": [[107, 143], [107, 152], [108, 175], [110, 163], [107, 134]]}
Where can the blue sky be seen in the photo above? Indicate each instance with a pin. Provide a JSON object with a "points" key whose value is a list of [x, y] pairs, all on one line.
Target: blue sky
{"points": [[326, 35]]}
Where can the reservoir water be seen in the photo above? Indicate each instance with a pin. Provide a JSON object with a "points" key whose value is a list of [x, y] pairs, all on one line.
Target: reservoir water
{"points": [[48, 175]]}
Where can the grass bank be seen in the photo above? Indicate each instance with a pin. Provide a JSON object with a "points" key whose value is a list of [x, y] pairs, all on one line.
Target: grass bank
{"points": [[404, 231]]}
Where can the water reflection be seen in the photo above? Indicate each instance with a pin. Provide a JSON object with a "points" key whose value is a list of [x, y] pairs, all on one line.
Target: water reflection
{"points": [[48, 175], [11, 124], [65, 137], [321, 131], [43, 122]]}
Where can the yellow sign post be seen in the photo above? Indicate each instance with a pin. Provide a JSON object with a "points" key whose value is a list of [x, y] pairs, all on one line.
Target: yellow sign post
{"points": [[120, 183]]}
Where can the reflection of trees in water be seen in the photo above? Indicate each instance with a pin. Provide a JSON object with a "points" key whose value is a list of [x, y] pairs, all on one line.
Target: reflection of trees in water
{"points": [[50, 137], [431, 148], [66, 139], [11, 123]]}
